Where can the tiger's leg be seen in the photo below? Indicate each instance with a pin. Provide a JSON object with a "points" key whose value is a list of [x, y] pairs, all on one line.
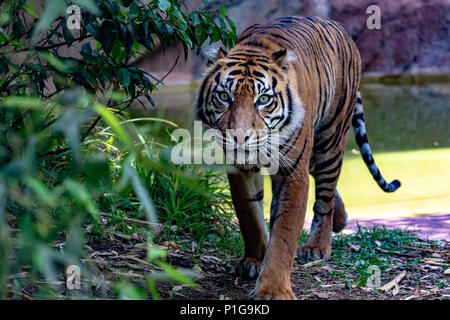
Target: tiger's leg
{"points": [[326, 174], [339, 215], [288, 214], [247, 191]]}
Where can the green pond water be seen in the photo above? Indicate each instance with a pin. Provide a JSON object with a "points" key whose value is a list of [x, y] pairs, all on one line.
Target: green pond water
{"points": [[409, 133]]}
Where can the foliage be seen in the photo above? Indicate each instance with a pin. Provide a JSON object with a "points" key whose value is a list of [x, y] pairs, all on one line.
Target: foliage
{"points": [[118, 34], [67, 151]]}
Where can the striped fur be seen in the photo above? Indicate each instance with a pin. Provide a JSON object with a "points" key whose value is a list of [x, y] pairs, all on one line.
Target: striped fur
{"points": [[297, 78], [359, 128]]}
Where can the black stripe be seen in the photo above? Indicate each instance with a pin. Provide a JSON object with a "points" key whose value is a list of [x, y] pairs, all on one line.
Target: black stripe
{"points": [[327, 180], [324, 198], [323, 214], [361, 138], [258, 74], [356, 117], [327, 163], [289, 106], [332, 170], [257, 197], [235, 72]]}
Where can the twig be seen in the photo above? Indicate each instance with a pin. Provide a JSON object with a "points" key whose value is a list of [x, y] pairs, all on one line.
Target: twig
{"points": [[156, 228], [388, 286], [170, 70], [396, 253], [312, 263], [433, 263], [422, 249], [43, 48], [23, 295]]}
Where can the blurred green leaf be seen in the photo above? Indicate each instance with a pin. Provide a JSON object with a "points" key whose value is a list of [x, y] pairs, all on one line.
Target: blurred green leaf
{"points": [[69, 125], [53, 9], [23, 102], [130, 292], [81, 196], [113, 122], [59, 65], [41, 191], [89, 5]]}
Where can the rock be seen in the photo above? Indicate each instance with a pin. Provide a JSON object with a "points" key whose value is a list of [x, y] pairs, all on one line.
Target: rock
{"points": [[413, 38]]}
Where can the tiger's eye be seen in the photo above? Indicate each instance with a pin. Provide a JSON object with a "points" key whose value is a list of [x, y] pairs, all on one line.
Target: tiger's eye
{"points": [[264, 99], [224, 96]]}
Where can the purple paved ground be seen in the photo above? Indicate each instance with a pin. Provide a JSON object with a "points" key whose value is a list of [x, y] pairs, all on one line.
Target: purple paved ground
{"points": [[428, 227]]}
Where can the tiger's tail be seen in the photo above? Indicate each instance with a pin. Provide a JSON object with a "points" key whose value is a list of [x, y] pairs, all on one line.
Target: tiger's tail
{"points": [[359, 128]]}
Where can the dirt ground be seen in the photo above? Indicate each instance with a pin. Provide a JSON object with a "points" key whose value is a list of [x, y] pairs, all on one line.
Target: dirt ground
{"points": [[312, 282], [421, 269], [424, 264]]}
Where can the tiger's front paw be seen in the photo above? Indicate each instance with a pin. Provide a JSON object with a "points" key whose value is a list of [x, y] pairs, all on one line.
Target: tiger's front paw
{"points": [[314, 252], [248, 268], [266, 290]]}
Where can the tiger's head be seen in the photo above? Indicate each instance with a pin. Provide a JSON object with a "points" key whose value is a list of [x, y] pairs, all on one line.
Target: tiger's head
{"points": [[247, 96]]}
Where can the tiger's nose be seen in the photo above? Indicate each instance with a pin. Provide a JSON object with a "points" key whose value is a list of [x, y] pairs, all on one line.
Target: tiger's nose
{"points": [[241, 136]]}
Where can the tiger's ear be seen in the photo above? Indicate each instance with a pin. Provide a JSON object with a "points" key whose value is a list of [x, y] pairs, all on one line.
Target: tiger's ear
{"points": [[216, 55], [283, 57]]}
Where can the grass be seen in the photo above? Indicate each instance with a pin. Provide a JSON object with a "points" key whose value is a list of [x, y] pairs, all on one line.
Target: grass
{"points": [[370, 242]]}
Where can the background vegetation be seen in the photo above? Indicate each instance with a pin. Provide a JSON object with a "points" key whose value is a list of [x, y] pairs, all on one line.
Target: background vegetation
{"points": [[73, 166]]}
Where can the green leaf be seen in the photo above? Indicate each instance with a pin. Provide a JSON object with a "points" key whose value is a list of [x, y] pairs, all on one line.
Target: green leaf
{"points": [[30, 11], [86, 49], [215, 34], [117, 47], [67, 34], [164, 5], [113, 122], [92, 80], [144, 197], [107, 35], [124, 77], [196, 19], [201, 33]]}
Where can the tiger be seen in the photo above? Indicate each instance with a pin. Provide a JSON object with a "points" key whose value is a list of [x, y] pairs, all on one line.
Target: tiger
{"points": [[300, 77]]}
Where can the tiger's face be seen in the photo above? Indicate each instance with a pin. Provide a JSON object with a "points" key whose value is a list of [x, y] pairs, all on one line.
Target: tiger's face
{"points": [[246, 96]]}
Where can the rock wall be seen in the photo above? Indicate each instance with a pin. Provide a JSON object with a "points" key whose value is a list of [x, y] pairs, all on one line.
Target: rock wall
{"points": [[414, 37]]}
